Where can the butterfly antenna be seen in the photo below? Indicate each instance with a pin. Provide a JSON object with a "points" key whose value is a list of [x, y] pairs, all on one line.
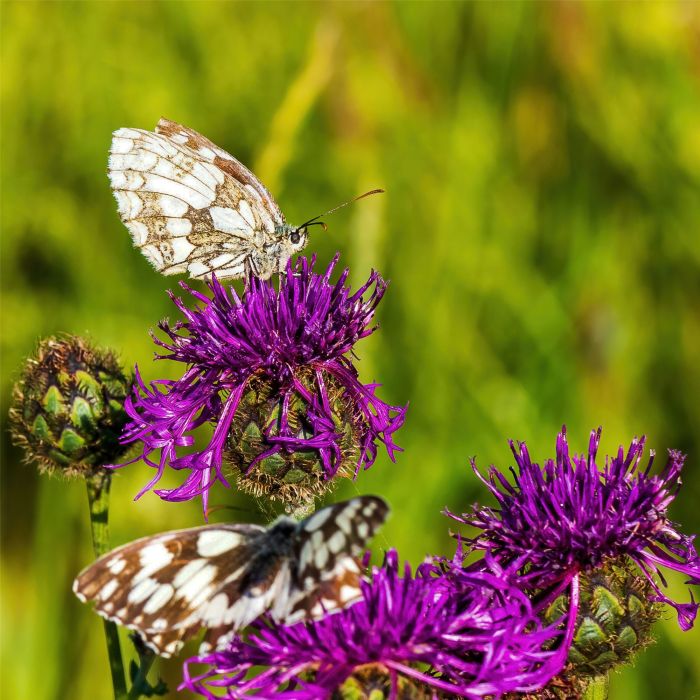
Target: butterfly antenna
{"points": [[316, 222], [223, 506]]}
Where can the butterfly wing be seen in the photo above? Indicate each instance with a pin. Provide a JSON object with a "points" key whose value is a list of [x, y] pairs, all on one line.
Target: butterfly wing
{"points": [[167, 586], [326, 576], [306, 570], [189, 206], [242, 602], [225, 161]]}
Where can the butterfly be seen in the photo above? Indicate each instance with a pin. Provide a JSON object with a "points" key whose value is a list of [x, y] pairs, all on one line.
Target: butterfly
{"points": [[222, 577], [192, 207]]}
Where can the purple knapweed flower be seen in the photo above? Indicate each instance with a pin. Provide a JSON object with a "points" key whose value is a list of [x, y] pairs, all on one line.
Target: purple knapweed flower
{"points": [[471, 634], [572, 516], [270, 371]]}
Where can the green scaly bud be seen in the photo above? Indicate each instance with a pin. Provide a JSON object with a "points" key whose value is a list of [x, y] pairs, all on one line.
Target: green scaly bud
{"points": [[614, 620], [68, 407]]}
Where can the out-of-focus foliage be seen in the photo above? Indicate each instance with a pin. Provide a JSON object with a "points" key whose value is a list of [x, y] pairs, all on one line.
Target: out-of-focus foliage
{"points": [[540, 228]]}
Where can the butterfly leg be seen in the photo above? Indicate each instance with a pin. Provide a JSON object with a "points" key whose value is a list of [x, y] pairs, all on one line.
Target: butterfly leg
{"points": [[250, 267]]}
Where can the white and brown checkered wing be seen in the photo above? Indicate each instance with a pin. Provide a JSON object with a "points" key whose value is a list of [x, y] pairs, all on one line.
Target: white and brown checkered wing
{"points": [[189, 206], [168, 586], [327, 576], [226, 162]]}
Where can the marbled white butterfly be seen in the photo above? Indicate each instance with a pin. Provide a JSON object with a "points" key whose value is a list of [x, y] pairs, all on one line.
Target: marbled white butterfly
{"points": [[168, 586], [192, 207]]}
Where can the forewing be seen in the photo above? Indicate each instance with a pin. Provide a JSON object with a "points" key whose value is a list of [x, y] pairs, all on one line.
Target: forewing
{"points": [[327, 576], [167, 586], [184, 211], [226, 162], [336, 591]]}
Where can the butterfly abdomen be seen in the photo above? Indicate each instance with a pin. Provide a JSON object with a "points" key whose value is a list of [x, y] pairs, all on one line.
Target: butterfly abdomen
{"points": [[273, 550]]}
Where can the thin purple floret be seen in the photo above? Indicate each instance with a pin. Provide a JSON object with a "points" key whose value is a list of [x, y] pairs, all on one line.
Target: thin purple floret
{"points": [[452, 631]]}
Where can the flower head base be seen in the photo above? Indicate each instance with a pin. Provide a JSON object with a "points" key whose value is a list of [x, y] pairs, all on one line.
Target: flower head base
{"points": [[376, 682], [474, 632], [292, 477], [572, 516], [615, 618], [270, 371], [68, 407], [564, 686]]}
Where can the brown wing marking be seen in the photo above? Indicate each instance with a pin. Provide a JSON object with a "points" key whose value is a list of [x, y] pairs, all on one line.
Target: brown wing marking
{"points": [[163, 586], [224, 160]]}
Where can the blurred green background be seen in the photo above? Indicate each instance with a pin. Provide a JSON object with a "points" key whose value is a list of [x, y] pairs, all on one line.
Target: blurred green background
{"points": [[540, 230]]}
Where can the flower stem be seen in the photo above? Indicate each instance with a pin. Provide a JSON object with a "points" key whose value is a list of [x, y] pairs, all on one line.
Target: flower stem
{"points": [[597, 689], [98, 497], [140, 680]]}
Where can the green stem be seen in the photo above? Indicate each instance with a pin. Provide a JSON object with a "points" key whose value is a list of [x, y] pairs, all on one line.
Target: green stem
{"points": [[597, 689], [98, 497], [140, 681]]}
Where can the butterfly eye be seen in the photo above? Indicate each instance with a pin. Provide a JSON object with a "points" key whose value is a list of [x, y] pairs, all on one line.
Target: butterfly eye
{"points": [[295, 237]]}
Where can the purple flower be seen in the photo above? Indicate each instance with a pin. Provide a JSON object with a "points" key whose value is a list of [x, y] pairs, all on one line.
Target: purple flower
{"points": [[572, 516], [445, 630], [270, 371]]}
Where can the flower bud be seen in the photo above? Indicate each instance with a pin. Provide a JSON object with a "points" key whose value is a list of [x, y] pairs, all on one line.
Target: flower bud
{"points": [[67, 408]]}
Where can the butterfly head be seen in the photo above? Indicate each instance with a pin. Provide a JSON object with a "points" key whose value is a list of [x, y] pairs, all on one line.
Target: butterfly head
{"points": [[298, 237]]}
